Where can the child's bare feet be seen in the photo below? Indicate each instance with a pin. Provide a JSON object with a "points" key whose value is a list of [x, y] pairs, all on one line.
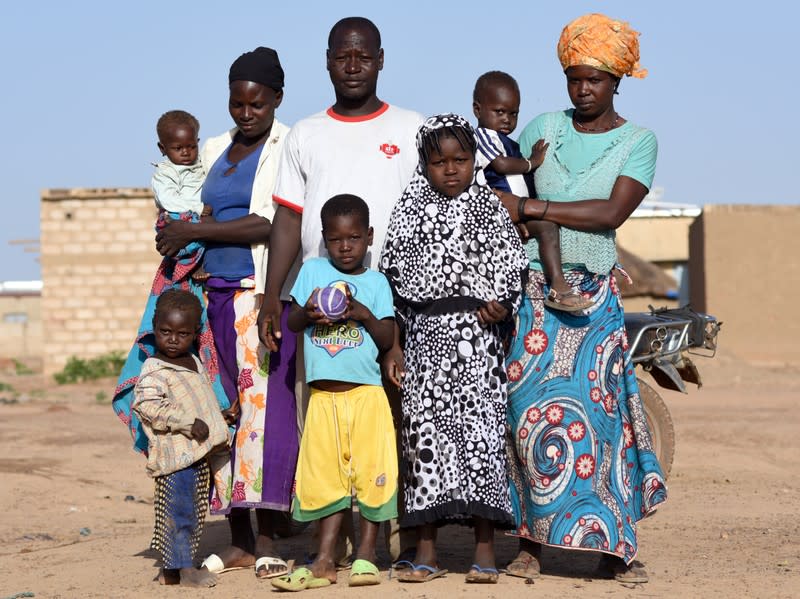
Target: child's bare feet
{"points": [[188, 577]]}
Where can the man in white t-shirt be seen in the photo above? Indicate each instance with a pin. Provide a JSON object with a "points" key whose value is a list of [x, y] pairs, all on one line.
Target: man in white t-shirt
{"points": [[360, 145], [371, 156]]}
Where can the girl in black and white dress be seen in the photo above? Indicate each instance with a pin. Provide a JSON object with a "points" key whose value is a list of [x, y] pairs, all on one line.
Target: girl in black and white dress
{"points": [[455, 263]]}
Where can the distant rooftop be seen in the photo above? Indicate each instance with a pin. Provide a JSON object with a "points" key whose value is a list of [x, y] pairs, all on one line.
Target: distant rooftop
{"points": [[654, 206], [21, 288], [95, 193]]}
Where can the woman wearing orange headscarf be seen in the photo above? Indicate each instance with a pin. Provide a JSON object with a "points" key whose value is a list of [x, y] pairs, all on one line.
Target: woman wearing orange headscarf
{"points": [[584, 471]]}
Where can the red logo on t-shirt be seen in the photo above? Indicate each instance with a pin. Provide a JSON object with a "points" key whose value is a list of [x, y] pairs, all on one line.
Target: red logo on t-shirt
{"points": [[389, 149]]}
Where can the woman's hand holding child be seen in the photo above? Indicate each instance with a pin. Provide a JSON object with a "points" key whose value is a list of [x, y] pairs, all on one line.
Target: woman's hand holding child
{"points": [[175, 236]]}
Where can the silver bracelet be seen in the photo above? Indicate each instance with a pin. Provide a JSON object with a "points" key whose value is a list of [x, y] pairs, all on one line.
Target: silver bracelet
{"points": [[530, 166]]}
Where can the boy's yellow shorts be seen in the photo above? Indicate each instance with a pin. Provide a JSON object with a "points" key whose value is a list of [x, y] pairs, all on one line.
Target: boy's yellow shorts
{"points": [[348, 443]]}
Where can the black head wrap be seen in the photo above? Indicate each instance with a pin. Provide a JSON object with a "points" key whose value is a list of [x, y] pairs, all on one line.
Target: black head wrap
{"points": [[260, 66]]}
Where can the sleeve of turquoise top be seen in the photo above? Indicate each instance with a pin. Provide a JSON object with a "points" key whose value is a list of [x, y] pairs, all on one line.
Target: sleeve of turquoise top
{"points": [[641, 164]]}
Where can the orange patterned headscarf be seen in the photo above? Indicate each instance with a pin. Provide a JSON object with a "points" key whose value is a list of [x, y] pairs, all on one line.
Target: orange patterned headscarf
{"points": [[597, 41]]}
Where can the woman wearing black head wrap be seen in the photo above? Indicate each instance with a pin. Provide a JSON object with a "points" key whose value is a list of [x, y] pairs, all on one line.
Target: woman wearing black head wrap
{"points": [[241, 166]]}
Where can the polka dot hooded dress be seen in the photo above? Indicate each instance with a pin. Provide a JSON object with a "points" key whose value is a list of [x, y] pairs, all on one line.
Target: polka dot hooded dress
{"points": [[444, 258]]}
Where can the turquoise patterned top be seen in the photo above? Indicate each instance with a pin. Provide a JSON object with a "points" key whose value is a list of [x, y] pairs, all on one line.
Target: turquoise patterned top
{"points": [[585, 166]]}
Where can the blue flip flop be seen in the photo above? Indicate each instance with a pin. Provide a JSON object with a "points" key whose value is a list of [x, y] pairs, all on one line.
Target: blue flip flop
{"points": [[407, 574], [404, 560], [478, 575]]}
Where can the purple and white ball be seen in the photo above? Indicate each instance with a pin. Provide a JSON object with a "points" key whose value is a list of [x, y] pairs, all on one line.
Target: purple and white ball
{"points": [[332, 302]]}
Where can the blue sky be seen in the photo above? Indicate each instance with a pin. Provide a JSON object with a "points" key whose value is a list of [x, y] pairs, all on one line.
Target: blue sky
{"points": [[84, 82]]}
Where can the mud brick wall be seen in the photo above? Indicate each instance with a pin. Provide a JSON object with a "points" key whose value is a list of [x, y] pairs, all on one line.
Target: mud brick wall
{"points": [[98, 259], [744, 267]]}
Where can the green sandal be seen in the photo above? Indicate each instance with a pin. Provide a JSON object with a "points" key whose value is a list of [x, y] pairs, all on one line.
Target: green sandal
{"points": [[364, 573], [300, 580]]}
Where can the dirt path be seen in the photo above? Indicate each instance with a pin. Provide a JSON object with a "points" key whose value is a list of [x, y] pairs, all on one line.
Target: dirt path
{"points": [[77, 516]]}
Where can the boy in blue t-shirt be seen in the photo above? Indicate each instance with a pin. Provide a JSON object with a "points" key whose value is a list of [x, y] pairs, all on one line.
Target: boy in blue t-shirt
{"points": [[495, 103], [348, 439]]}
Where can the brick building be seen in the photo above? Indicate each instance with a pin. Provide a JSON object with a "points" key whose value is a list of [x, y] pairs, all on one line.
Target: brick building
{"points": [[98, 259], [21, 321]]}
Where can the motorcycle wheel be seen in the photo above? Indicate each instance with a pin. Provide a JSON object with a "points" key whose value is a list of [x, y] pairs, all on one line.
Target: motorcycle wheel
{"points": [[662, 430]]}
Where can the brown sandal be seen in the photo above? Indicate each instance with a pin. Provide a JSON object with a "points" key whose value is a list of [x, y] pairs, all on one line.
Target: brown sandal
{"points": [[524, 565], [570, 301]]}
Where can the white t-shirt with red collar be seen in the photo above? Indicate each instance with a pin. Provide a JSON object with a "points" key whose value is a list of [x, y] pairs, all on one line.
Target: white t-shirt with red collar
{"points": [[371, 156]]}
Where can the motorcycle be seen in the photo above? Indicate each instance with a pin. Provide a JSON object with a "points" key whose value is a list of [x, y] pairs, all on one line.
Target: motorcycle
{"points": [[661, 342]]}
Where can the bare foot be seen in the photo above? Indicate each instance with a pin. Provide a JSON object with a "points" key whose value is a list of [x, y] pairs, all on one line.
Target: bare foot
{"points": [[324, 568]]}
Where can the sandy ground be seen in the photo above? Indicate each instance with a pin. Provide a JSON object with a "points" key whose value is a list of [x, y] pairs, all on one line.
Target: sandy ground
{"points": [[77, 513]]}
